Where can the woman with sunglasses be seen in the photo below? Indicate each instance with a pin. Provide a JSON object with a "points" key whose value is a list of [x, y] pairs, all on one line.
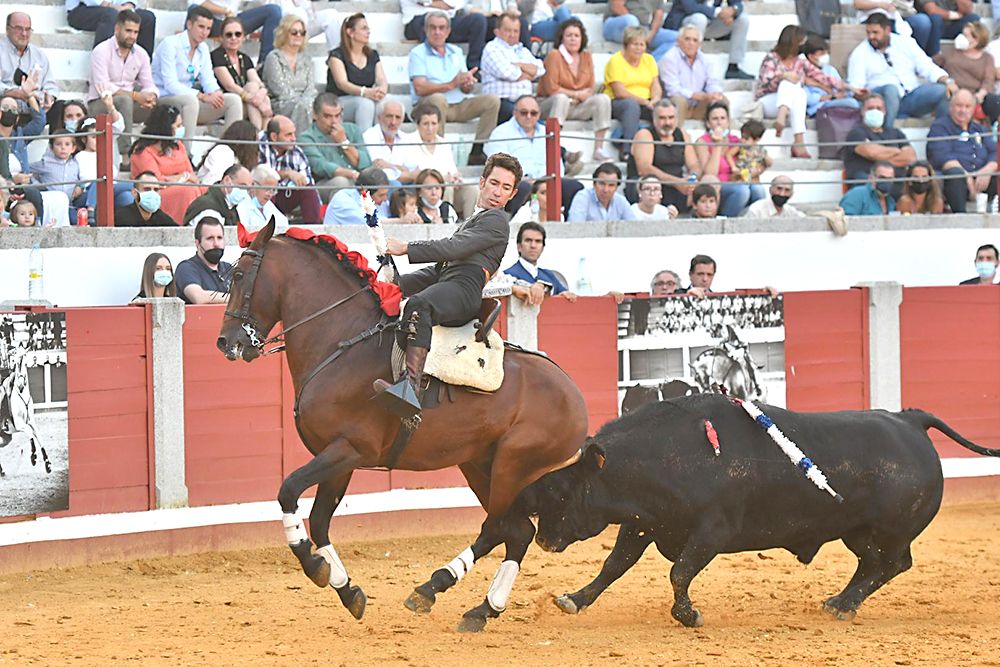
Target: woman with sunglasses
{"points": [[288, 73], [236, 74], [160, 153], [355, 74]]}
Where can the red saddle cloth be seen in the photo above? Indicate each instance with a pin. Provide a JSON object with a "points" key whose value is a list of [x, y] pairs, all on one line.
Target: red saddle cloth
{"points": [[389, 295]]}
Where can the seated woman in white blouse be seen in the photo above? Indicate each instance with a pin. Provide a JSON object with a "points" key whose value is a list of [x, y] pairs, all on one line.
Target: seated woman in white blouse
{"points": [[226, 152]]}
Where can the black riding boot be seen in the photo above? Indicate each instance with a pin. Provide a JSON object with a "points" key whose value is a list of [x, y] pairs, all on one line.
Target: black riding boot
{"points": [[403, 398]]}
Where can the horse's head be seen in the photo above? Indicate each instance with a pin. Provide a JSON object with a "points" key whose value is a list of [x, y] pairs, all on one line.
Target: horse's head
{"points": [[252, 309]]}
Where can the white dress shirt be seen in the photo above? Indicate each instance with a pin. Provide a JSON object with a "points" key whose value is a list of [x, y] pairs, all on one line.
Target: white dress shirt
{"points": [[870, 68]]}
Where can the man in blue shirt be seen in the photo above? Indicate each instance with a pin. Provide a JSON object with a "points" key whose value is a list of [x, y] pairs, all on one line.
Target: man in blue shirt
{"points": [[523, 136], [874, 197], [345, 206], [533, 283], [970, 153], [182, 72], [603, 202], [100, 16]]}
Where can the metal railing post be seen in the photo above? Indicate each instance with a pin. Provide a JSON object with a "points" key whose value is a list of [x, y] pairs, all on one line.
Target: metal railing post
{"points": [[553, 161], [105, 210]]}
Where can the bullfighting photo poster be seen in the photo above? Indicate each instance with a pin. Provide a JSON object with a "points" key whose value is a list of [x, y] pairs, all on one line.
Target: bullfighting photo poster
{"points": [[683, 345], [34, 447]]}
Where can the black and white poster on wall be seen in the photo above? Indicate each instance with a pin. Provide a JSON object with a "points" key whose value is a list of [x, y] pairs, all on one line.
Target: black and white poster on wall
{"points": [[34, 440]]}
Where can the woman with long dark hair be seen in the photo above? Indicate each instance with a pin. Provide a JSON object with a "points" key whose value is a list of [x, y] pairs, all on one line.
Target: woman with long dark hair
{"points": [[921, 190], [227, 152], [158, 151], [157, 278], [355, 74]]}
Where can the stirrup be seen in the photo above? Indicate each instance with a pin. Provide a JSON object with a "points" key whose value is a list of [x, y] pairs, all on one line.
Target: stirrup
{"points": [[399, 399]]}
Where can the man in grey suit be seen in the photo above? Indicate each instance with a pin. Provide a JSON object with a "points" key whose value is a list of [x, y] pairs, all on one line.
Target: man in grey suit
{"points": [[450, 292]]}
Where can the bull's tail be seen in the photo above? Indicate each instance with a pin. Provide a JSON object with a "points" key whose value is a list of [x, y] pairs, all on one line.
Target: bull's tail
{"points": [[926, 420]]}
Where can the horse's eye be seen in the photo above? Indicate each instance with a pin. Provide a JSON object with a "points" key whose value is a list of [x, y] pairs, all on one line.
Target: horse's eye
{"points": [[237, 276]]}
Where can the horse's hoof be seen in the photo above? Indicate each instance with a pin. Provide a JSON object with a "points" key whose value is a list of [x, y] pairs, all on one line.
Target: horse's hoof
{"points": [[472, 624], [689, 618], [565, 602], [358, 602], [319, 574], [698, 621], [831, 607], [419, 603]]}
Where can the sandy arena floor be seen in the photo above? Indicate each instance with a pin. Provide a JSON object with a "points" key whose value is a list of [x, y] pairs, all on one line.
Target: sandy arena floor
{"points": [[255, 608]]}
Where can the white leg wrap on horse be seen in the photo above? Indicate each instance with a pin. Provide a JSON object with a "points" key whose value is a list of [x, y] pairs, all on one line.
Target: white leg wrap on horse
{"points": [[461, 564], [338, 573], [295, 531], [502, 584]]}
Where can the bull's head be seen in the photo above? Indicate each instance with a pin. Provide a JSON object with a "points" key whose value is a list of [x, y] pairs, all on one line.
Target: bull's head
{"points": [[563, 501], [252, 310]]}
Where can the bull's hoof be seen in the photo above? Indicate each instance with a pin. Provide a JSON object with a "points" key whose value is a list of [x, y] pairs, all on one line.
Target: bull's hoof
{"points": [[318, 571], [472, 624], [689, 618], [832, 607], [565, 602], [419, 603], [355, 601]]}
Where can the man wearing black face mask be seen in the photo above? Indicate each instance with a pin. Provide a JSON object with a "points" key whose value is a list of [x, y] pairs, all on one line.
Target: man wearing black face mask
{"points": [[874, 197], [204, 278], [776, 206]]}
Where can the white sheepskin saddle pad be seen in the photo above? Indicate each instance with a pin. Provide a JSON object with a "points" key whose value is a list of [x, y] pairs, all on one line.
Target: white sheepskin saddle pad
{"points": [[456, 358]]}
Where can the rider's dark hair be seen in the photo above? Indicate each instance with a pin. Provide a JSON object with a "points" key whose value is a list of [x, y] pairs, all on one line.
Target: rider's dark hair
{"points": [[504, 161], [206, 222], [701, 259], [531, 226]]}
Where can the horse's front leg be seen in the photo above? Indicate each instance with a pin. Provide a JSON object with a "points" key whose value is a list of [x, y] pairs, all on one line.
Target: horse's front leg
{"points": [[328, 497], [323, 568]]}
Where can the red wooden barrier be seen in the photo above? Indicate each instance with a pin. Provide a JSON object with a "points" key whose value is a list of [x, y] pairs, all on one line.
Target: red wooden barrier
{"points": [[826, 350], [950, 359]]}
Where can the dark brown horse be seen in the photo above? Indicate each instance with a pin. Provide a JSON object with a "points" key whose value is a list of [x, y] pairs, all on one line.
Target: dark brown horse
{"points": [[502, 442]]}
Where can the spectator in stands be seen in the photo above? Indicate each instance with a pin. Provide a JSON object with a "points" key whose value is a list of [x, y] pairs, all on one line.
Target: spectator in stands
{"points": [[664, 283], [921, 191], [546, 18], [749, 160], [567, 87], [872, 140], [429, 154], [403, 207], [230, 150], [924, 30], [671, 160], [893, 67], [986, 267], [279, 151], [776, 206], [632, 81], [603, 202], [701, 273], [382, 139], [523, 136], [875, 196], [337, 163], [704, 201], [973, 68], [539, 202], [649, 207], [346, 208], [157, 280], [781, 89], [437, 76], [23, 214], [508, 67], [119, 68], [182, 72], [951, 15], [355, 74], [686, 77], [144, 211], [256, 210], [325, 21], [86, 158], [711, 150], [58, 170], [21, 60], [532, 282], [236, 74], [163, 155], [263, 17], [204, 278], [101, 18], [716, 20], [288, 73], [70, 116], [648, 15], [819, 95], [14, 154], [461, 27], [971, 153], [431, 207], [221, 200]]}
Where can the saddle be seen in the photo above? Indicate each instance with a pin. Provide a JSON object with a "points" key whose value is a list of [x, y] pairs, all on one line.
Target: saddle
{"points": [[470, 355]]}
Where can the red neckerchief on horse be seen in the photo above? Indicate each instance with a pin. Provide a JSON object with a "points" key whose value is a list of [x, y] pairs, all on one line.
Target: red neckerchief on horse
{"points": [[389, 295]]}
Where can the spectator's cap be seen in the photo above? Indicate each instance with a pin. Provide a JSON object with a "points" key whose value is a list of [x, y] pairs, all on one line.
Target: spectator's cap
{"points": [[878, 18]]}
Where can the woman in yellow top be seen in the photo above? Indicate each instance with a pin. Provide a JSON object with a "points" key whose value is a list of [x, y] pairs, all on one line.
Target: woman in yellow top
{"points": [[631, 80]]}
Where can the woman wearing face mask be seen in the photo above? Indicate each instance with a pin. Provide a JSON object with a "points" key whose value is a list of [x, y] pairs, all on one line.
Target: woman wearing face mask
{"points": [[710, 149], [921, 192], [973, 68], [73, 113], [431, 207], [157, 278], [160, 153], [817, 51]]}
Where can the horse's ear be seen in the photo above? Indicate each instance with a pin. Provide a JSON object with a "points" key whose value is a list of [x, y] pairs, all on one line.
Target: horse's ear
{"points": [[264, 235], [594, 457]]}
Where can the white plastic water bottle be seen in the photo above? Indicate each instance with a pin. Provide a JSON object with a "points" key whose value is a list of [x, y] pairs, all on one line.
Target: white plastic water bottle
{"points": [[36, 266], [583, 284]]}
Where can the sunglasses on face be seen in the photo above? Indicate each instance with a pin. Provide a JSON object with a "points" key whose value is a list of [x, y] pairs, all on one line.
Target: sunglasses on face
{"points": [[234, 34], [529, 113], [296, 33]]}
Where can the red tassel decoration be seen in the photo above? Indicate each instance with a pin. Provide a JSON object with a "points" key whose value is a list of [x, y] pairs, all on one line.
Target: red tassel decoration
{"points": [[713, 437]]}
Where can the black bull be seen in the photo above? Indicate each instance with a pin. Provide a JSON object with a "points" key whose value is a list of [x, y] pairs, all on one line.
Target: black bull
{"points": [[655, 473]]}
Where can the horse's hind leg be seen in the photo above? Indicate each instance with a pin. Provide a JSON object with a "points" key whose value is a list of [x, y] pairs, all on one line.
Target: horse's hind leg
{"points": [[41, 448]]}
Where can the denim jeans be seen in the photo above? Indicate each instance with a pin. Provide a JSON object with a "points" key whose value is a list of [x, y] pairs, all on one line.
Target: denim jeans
{"points": [[123, 195], [926, 32], [737, 196], [922, 100], [546, 28], [614, 30]]}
